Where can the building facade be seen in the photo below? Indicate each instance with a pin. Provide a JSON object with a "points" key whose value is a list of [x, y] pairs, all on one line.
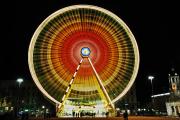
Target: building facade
{"points": [[173, 104], [27, 98]]}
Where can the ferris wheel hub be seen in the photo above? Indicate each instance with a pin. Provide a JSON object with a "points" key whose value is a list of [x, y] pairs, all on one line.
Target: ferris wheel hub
{"points": [[85, 52]]}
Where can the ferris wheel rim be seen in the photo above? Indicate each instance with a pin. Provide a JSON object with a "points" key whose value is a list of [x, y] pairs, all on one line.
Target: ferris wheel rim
{"points": [[60, 11]]}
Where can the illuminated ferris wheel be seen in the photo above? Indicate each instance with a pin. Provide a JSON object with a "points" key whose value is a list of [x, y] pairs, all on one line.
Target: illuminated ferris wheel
{"points": [[83, 55]]}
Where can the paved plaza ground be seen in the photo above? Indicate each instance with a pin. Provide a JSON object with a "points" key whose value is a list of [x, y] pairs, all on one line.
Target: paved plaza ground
{"points": [[115, 118]]}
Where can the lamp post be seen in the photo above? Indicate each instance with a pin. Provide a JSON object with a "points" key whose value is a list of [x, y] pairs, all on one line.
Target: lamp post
{"points": [[44, 111], [19, 81], [151, 79]]}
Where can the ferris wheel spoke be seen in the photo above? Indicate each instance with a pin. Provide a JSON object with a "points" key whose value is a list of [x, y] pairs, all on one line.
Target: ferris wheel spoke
{"points": [[101, 84], [68, 89]]}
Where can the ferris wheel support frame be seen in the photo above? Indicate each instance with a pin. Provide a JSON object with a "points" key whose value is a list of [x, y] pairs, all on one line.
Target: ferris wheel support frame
{"points": [[68, 89]]}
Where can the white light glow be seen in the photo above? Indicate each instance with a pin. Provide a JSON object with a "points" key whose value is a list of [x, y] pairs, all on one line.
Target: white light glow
{"points": [[26, 110], [159, 95], [151, 77], [19, 80], [67, 89]]}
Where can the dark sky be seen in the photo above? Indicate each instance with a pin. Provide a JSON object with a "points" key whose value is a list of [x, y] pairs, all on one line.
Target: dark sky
{"points": [[154, 25]]}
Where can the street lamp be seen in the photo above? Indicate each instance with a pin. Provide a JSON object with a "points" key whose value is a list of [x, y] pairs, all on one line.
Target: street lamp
{"points": [[151, 78], [44, 112], [19, 80]]}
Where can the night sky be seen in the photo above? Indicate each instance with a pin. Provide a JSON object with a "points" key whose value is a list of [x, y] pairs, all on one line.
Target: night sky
{"points": [[153, 24]]}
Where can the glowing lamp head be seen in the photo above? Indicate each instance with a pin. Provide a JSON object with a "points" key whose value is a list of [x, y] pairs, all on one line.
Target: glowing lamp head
{"points": [[85, 52], [151, 77], [19, 80]]}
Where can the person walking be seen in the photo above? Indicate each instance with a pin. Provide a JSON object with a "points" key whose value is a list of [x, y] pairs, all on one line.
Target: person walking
{"points": [[125, 115]]}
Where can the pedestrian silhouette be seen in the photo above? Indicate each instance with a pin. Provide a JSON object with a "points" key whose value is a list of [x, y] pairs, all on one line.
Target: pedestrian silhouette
{"points": [[125, 115]]}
